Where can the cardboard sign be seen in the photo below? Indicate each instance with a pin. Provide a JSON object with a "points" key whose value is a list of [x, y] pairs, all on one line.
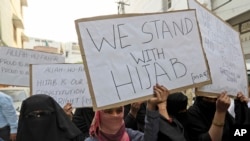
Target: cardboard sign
{"points": [[126, 55], [14, 64], [224, 53], [64, 82]]}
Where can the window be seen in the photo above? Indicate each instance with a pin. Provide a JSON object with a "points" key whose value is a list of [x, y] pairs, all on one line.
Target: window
{"points": [[14, 33], [67, 54], [166, 5], [169, 3], [75, 47]]}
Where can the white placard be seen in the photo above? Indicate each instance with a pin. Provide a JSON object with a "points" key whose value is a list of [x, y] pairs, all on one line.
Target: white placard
{"points": [[224, 53], [14, 64], [126, 56], [64, 82]]}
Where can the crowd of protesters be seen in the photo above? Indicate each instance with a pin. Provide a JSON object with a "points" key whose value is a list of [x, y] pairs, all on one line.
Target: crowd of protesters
{"points": [[164, 117]]}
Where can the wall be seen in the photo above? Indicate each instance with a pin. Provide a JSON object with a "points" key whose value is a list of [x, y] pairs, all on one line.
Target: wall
{"points": [[6, 22], [7, 9], [144, 6]]}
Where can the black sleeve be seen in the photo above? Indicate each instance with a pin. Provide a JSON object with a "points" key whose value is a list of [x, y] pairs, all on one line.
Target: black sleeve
{"points": [[130, 122], [138, 122], [198, 126], [140, 118], [82, 118], [242, 113], [80, 137]]}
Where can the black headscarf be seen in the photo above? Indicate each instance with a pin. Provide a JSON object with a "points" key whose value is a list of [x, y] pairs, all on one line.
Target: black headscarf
{"points": [[176, 102], [176, 107], [52, 124]]}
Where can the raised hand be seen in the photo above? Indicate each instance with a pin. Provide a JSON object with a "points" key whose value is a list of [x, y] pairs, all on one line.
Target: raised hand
{"points": [[160, 95], [242, 97], [68, 110], [223, 102], [135, 108]]}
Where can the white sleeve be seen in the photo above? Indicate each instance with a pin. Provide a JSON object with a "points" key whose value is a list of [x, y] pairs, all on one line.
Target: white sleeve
{"points": [[231, 108]]}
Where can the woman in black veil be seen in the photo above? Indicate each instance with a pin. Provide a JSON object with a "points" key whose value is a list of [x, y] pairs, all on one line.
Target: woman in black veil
{"points": [[42, 119]]}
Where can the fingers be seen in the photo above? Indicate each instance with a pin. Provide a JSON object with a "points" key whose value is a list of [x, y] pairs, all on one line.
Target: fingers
{"points": [[158, 93], [162, 88], [135, 106], [12, 137], [223, 102], [242, 97], [224, 98], [239, 94], [68, 107], [160, 96], [68, 110], [161, 93]]}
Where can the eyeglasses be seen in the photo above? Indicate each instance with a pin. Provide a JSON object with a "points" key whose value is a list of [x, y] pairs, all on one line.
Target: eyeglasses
{"points": [[38, 114]]}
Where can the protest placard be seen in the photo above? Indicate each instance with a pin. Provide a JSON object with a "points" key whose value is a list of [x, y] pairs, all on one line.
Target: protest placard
{"points": [[14, 64], [224, 53], [66, 83], [126, 55]]}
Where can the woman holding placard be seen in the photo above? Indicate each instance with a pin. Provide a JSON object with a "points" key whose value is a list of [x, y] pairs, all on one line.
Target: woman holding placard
{"points": [[209, 118], [109, 124], [174, 118], [42, 119]]}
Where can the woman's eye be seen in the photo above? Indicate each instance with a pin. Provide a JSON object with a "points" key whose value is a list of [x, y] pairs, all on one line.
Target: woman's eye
{"points": [[108, 111], [118, 111], [37, 114]]}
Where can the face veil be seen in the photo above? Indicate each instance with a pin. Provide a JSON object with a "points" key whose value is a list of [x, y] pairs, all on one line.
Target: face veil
{"points": [[42, 119]]}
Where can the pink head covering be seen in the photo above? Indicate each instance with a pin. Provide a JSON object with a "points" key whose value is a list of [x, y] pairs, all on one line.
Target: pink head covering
{"points": [[106, 126]]}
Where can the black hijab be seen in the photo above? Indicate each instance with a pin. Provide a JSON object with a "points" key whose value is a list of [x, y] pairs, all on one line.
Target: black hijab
{"points": [[176, 102], [49, 124], [176, 107]]}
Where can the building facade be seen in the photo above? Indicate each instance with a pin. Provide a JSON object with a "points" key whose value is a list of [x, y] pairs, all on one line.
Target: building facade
{"points": [[237, 14], [41, 42], [70, 50], [11, 23], [143, 6]]}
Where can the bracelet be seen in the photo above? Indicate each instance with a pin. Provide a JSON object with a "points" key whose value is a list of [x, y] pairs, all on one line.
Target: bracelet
{"points": [[218, 124]]}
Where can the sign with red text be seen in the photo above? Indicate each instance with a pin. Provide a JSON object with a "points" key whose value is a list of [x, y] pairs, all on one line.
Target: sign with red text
{"points": [[224, 53], [14, 64], [66, 83], [126, 55]]}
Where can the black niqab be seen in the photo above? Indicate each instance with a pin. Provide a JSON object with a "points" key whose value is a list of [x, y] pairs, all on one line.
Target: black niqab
{"points": [[52, 124]]}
